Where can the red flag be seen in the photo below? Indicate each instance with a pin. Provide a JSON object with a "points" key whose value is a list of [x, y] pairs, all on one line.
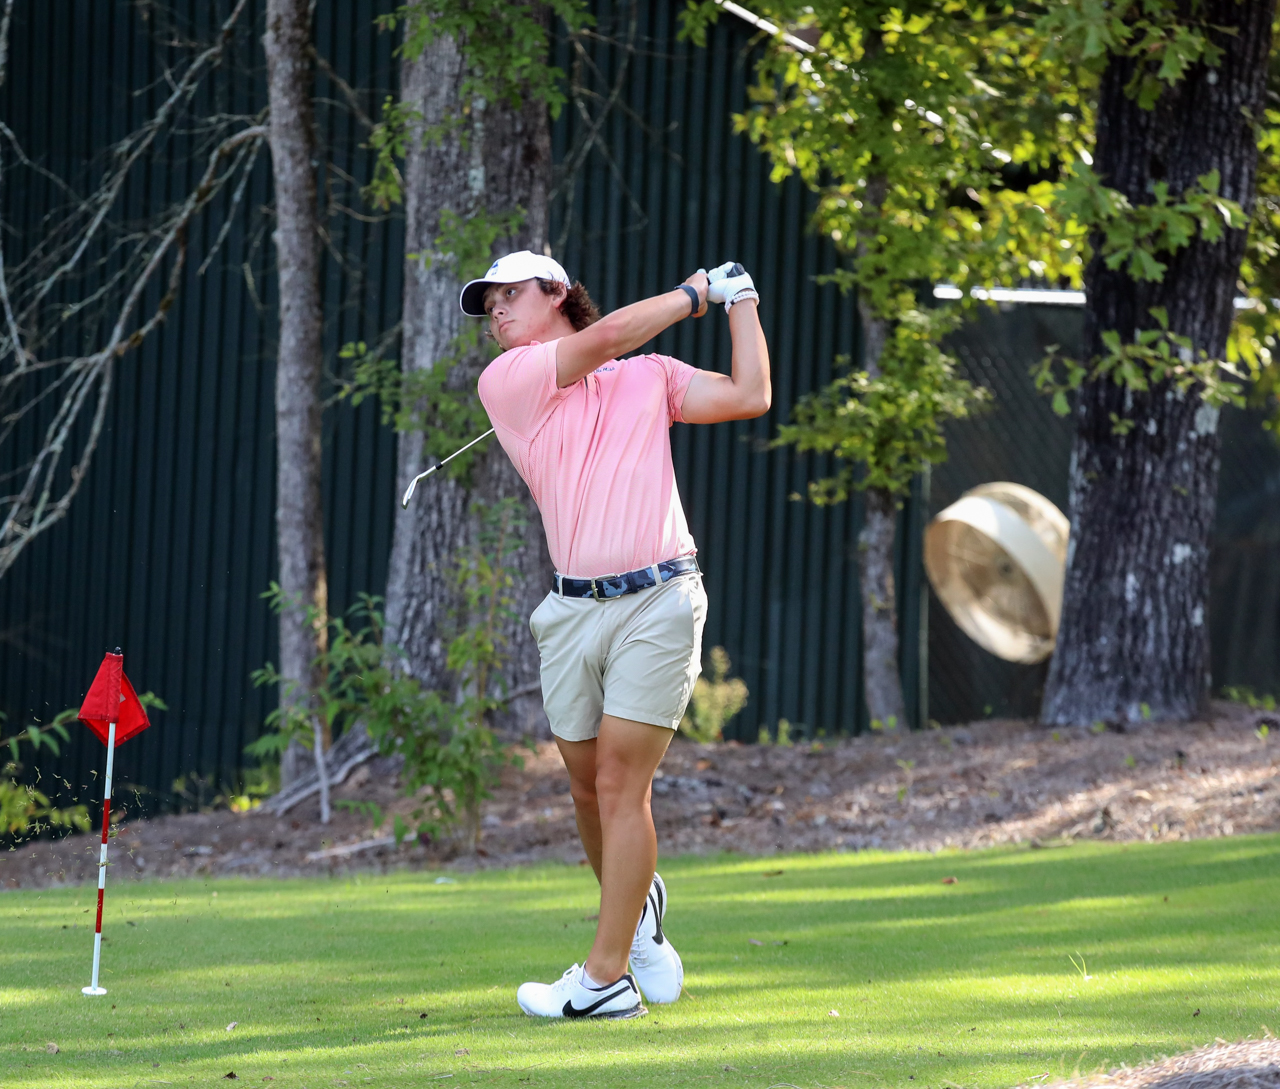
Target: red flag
{"points": [[112, 698]]}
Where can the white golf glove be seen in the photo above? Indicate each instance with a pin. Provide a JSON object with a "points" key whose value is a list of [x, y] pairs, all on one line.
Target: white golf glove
{"points": [[730, 283]]}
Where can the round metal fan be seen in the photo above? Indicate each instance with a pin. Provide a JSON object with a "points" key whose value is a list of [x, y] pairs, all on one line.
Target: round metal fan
{"points": [[996, 559]]}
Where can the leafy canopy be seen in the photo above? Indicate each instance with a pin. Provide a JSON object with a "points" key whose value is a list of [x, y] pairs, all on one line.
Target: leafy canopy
{"points": [[952, 144]]}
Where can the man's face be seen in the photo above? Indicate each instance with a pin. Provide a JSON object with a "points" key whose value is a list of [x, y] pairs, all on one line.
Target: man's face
{"points": [[520, 313]]}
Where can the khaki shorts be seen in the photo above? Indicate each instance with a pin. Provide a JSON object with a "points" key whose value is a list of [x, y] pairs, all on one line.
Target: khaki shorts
{"points": [[633, 657]]}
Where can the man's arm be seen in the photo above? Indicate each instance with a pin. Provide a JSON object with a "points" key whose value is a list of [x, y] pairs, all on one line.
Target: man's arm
{"points": [[744, 394], [625, 330]]}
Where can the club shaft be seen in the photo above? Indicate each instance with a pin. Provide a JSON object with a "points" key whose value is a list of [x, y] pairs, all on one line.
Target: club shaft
{"points": [[404, 502], [464, 449]]}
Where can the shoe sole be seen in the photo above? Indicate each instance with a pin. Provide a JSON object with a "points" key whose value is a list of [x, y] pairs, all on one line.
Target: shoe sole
{"points": [[638, 1010]]}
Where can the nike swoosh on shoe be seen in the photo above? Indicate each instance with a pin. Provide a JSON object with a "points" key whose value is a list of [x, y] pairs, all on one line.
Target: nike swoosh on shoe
{"points": [[570, 1010], [658, 937]]}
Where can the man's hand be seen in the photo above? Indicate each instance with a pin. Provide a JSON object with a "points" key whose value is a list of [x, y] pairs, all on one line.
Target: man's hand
{"points": [[729, 282], [746, 392]]}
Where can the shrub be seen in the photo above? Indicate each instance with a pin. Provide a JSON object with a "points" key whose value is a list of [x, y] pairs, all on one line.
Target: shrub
{"points": [[449, 751], [714, 701], [24, 810]]}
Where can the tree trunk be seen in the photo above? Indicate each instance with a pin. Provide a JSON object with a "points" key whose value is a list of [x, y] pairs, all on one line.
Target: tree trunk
{"points": [[881, 679], [506, 162], [299, 521], [1133, 641]]}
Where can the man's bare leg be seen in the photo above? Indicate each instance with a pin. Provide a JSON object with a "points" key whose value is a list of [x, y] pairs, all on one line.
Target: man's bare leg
{"points": [[627, 755], [580, 759]]}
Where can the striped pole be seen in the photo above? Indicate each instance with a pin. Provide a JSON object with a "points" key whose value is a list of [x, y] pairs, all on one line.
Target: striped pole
{"points": [[93, 987]]}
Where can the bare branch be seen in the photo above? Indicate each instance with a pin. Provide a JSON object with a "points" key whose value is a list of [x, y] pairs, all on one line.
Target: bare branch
{"points": [[5, 20], [129, 150], [348, 92], [73, 392]]}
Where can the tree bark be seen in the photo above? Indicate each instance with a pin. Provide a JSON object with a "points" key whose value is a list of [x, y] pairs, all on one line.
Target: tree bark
{"points": [[506, 162], [299, 520], [881, 679], [1133, 641]]}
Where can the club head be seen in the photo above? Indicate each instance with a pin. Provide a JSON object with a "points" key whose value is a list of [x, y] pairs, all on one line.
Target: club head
{"points": [[413, 484]]}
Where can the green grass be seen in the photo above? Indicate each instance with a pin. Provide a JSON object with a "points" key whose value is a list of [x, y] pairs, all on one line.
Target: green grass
{"points": [[936, 985]]}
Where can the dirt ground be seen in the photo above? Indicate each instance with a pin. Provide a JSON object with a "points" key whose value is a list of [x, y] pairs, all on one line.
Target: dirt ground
{"points": [[994, 782], [1249, 1064]]}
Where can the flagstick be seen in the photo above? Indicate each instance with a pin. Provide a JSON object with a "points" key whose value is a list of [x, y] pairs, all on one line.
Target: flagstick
{"points": [[93, 988]]}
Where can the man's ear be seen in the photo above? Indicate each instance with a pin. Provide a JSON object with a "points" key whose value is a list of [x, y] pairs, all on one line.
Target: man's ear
{"points": [[562, 293]]}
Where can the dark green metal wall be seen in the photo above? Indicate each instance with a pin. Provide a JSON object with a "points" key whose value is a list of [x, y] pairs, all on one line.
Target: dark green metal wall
{"points": [[170, 543]]}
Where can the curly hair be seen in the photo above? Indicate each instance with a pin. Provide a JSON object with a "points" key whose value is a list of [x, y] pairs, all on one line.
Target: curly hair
{"points": [[577, 305]]}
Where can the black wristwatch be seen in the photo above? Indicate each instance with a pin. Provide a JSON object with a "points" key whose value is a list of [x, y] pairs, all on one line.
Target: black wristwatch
{"points": [[695, 303]]}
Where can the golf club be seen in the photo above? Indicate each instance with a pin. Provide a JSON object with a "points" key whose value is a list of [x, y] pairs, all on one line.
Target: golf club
{"points": [[408, 492]]}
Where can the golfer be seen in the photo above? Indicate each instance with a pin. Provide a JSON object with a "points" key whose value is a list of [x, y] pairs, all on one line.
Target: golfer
{"points": [[620, 633]]}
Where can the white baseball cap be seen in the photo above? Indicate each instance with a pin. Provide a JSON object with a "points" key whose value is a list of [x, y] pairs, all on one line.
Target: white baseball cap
{"points": [[521, 265]]}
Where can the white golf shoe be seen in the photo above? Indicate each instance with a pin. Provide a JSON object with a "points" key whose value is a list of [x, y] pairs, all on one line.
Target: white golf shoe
{"points": [[656, 965], [570, 996]]}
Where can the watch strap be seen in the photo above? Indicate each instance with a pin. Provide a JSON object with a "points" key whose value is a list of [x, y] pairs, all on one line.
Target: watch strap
{"points": [[693, 297]]}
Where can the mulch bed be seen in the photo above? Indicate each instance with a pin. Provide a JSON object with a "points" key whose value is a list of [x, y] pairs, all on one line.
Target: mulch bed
{"points": [[1250, 1064], [989, 783]]}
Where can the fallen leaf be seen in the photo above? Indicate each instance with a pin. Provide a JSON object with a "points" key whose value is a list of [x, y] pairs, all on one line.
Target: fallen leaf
{"points": [[463, 1051], [268, 1077], [230, 1075], [1196, 1014], [51, 1048], [773, 873], [232, 1025], [948, 880], [731, 1069], [422, 1017], [755, 941], [835, 1013]]}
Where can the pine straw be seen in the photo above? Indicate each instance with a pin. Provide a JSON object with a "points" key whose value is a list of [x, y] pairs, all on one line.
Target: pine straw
{"points": [[988, 784], [1251, 1064]]}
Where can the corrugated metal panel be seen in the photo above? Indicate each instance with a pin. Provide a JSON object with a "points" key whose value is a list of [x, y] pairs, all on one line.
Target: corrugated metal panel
{"points": [[171, 541]]}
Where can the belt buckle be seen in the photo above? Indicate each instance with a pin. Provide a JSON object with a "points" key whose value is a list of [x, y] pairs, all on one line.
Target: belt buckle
{"points": [[608, 587]]}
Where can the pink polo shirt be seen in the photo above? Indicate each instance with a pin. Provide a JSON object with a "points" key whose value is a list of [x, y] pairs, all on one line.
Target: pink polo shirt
{"points": [[596, 455]]}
